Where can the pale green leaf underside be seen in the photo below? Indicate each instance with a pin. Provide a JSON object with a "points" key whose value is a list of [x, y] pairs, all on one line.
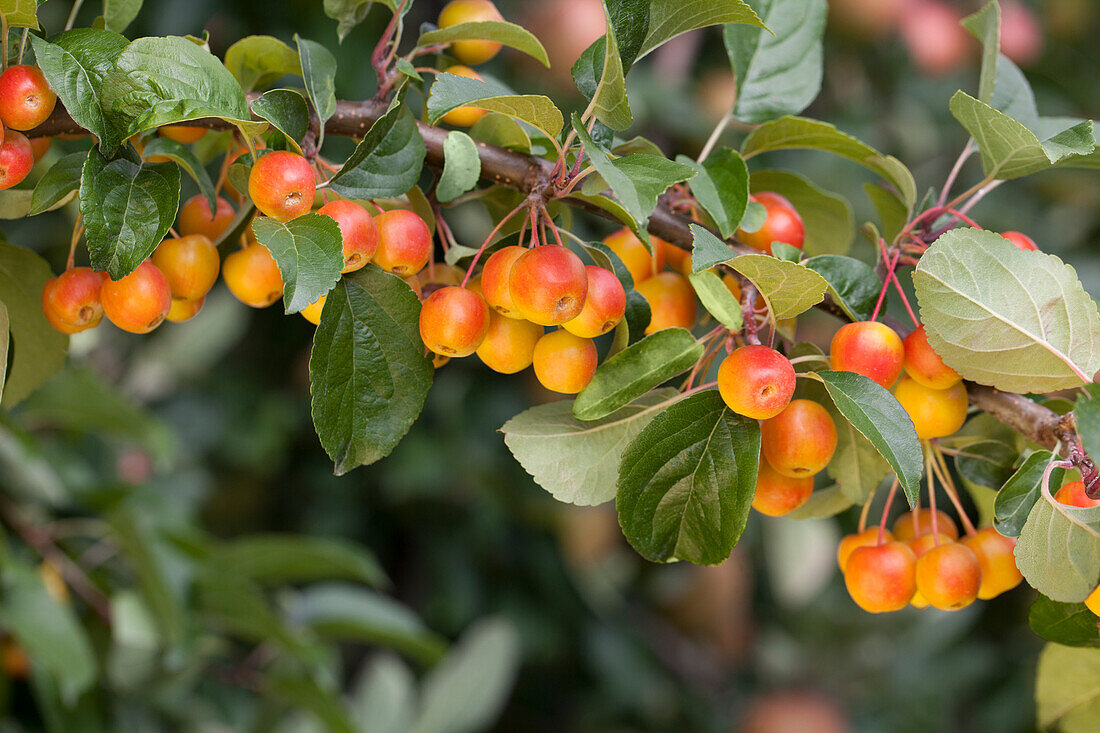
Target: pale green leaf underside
{"points": [[1067, 689], [1058, 550], [789, 288]]}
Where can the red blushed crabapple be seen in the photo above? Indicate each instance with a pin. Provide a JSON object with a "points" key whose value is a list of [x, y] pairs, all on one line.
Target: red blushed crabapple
{"points": [[184, 134], [604, 305], [281, 184], [881, 578], [253, 277], [40, 146], [470, 11], [935, 412], [494, 280], [641, 264], [1093, 601], [548, 285], [358, 229], [756, 381], [1022, 241], [924, 365], [190, 263], [1073, 494], [800, 440], [933, 33], [777, 494], [71, 301], [454, 321], [509, 346], [312, 312], [997, 558], [16, 159], [26, 99], [463, 116], [404, 242], [919, 546], [948, 576], [184, 310], [563, 362], [195, 217], [905, 527], [869, 348], [671, 301], [138, 302], [1021, 34], [783, 224], [851, 542]]}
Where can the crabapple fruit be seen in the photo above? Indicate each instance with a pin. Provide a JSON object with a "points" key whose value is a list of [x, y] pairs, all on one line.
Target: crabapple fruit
{"points": [[777, 494], [881, 578], [71, 301], [26, 99], [509, 345], [494, 280], [470, 11], [1092, 603], [184, 134], [281, 184], [563, 362], [184, 310], [905, 526], [1073, 494], [404, 242], [948, 576], [800, 440], [1021, 240], [1021, 35], [454, 321], [851, 542], [924, 365], [312, 312], [933, 33], [641, 264], [548, 285], [919, 546], [671, 301], [783, 224], [16, 159], [604, 305], [195, 217], [997, 558], [40, 146], [869, 348], [252, 275], [935, 412], [358, 230], [138, 302], [756, 381], [190, 263], [463, 116]]}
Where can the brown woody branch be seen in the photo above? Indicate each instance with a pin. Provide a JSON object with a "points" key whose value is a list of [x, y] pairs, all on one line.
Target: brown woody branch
{"points": [[529, 174]]}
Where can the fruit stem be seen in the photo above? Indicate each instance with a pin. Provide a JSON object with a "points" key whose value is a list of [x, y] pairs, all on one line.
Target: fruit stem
{"points": [[78, 229], [809, 357], [967, 151], [886, 283], [22, 45], [866, 511], [553, 227], [886, 511], [717, 133], [940, 466], [711, 347], [892, 275], [929, 474], [497, 228], [68, 23], [4, 42], [748, 311]]}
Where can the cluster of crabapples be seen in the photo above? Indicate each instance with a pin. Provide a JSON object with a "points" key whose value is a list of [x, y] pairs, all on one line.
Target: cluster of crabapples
{"points": [[26, 100]]}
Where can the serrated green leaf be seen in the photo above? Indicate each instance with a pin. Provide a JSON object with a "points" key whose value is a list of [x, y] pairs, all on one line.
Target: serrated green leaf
{"points": [[1013, 95], [788, 288], [118, 14], [988, 463], [830, 224], [498, 31], [609, 101], [20, 13], [1067, 689], [451, 91], [1018, 321], [461, 166], [386, 162], [182, 156], [721, 186], [985, 25], [319, 73], [1020, 492], [670, 18], [257, 62], [309, 252], [856, 466], [287, 112], [57, 184], [707, 250], [1069, 624], [1058, 550], [853, 284], [717, 299], [350, 13], [503, 131]]}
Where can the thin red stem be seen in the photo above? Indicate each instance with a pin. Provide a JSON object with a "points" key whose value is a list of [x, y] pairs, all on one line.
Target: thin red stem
{"points": [[886, 511], [497, 228]]}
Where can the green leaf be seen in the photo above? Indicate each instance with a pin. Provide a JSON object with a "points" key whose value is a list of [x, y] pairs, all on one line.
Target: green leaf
{"points": [[387, 161], [185, 159], [58, 183], [451, 91], [830, 224], [319, 72], [503, 131], [707, 250], [309, 252], [1020, 492], [498, 31], [778, 73], [238, 606], [822, 503], [136, 543], [467, 690], [5, 324], [636, 370], [893, 216], [1013, 95], [878, 417], [350, 13], [789, 133], [541, 436], [853, 284], [721, 185], [368, 373], [609, 101], [1010, 150], [383, 698], [670, 18], [128, 209], [1018, 321], [287, 112], [788, 288], [350, 613], [257, 62], [1069, 624], [1058, 550], [307, 693], [717, 299], [20, 13], [289, 558], [988, 463], [985, 25], [117, 14], [37, 349], [687, 480], [856, 466], [77, 65], [1087, 412], [1067, 689], [461, 166]]}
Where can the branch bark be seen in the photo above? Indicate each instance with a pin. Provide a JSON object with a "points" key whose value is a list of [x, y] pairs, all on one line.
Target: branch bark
{"points": [[528, 173]]}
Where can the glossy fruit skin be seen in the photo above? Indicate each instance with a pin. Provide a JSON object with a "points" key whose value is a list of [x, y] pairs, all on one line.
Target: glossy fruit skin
{"points": [[881, 578], [851, 542], [935, 38], [996, 556], [919, 546], [756, 381], [140, 301], [184, 134], [800, 440], [935, 412], [404, 242], [190, 263], [904, 527], [1093, 601], [312, 312], [281, 184], [869, 348], [40, 146], [469, 11], [463, 116], [509, 345], [71, 301], [948, 576], [1022, 241], [26, 99], [495, 280], [604, 305], [924, 365], [784, 224], [671, 301], [195, 217], [777, 494], [454, 321], [563, 362], [548, 285], [16, 159], [358, 229], [184, 310], [638, 260], [252, 276], [1073, 494]]}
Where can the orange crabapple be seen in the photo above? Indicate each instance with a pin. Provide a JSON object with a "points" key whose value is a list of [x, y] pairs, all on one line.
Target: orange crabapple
{"points": [[312, 312], [1093, 601], [358, 230], [869, 348], [40, 146], [71, 301], [26, 99], [190, 263], [470, 11], [996, 556], [905, 525], [1073, 494], [16, 159], [454, 321], [639, 261], [563, 362], [604, 305], [184, 134], [138, 302], [671, 301], [949, 576], [783, 224], [548, 285], [253, 277], [495, 280], [756, 381], [800, 440], [924, 365], [509, 345], [195, 217], [463, 116], [777, 494], [935, 412], [919, 546], [404, 242], [281, 184], [881, 578], [851, 542], [184, 310], [1022, 241]]}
